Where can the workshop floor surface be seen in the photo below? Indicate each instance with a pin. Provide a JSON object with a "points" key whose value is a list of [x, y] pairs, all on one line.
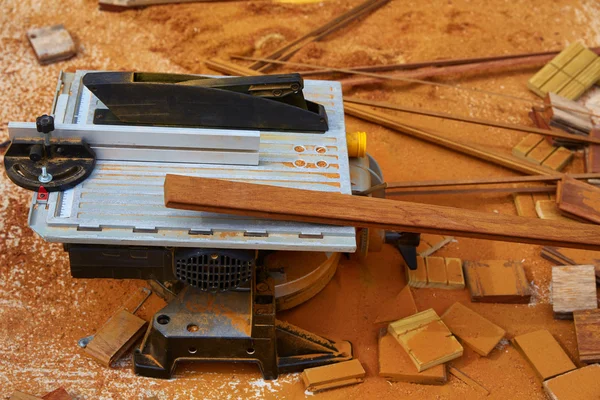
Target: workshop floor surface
{"points": [[43, 311]]}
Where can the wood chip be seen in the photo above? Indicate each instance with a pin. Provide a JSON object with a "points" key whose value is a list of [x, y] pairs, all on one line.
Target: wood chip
{"points": [[472, 329], [51, 43], [395, 364], [454, 272], [333, 375], [401, 306], [497, 281], [587, 330], [581, 384], [573, 288], [426, 339], [468, 380], [579, 199], [543, 353]]}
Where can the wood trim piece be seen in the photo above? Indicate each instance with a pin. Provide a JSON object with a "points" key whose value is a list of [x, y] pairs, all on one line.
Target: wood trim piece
{"points": [[288, 204]]}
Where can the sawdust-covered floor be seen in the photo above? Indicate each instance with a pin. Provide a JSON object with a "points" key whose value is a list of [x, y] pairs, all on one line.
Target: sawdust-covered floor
{"points": [[43, 311]]}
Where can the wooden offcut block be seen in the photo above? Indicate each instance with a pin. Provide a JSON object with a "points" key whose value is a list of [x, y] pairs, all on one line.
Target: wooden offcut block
{"points": [[454, 273], [528, 143], [115, 337], [401, 306], [58, 394], [547, 209], [543, 353], [497, 281], [333, 375], [573, 289], [426, 339], [579, 199], [472, 329], [540, 153], [395, 364], [436, 272], [417, 278], [559, 159], [51, 43], [587, 330], [524, 204], [581, 384]]}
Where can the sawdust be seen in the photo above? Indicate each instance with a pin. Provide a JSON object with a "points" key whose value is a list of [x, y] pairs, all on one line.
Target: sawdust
{"points": [[43, 311]]}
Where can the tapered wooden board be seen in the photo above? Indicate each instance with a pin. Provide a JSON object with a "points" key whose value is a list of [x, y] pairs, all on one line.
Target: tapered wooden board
{"points": [[543, 353], [581, 384], [340, 209], [579, 199]]}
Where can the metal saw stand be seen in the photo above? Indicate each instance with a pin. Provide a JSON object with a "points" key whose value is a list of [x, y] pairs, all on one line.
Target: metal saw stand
{"points": [[232, 326]]}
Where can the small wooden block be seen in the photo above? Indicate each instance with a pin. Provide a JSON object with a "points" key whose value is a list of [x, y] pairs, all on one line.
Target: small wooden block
{"points": [[454, 272], [524, 204], [543, 353], [497, 281], [426, 339], [557, 82], [333, 375], [580, 62], [525, 146], [115, 337], [573, 288], [472, 329], [23, 396], [569, 53], [547, 209], [590, 74], [58, 394], [573, 90], [579, 199], [436, 272], [567, 114], [51, 43], [587, 330], [559, 159], [417, 278], [540, 152], [581, 384], [395, 364], [401, 306]]}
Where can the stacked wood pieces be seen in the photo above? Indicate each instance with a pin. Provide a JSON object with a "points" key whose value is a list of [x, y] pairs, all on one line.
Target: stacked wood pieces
{"points": [[563, 256], [51, 43], [538, 116], [333, 376], [431, 243], [569, 74], [396, 365], [497, 281], [573, 289], [400, 306], [535, 149], [578, 200], [587, 330], [581, 384], [426, 339], [437, 272], [567, 115], [472, 329], [525, 203], [543, 353]]}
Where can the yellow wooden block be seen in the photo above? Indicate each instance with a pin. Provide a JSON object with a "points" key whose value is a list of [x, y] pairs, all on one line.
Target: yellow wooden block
{"points": [[537, 81], [418, 277], [590, 74], [573, 90], [559, 159], [567, 54], [541, 152], [556, 83], [580, 62], [528, 143], [436, 272], [454, 273]]}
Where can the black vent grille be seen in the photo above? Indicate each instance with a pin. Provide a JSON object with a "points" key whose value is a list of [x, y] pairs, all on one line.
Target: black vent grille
{"points": [[214, 270]]}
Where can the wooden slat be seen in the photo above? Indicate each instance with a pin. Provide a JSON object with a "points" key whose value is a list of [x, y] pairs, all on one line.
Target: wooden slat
{"points": [[579, 199], [527, 144], [588, 335], [288, 204], [594, 153]]}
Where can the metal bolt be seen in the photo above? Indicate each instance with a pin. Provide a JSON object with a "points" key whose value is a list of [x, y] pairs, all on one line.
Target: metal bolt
{"points": [[45, 177], [262, 287], [277, 92]]}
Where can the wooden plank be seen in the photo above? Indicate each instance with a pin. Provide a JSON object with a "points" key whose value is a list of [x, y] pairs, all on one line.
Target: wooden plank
{"points": [[436, 272], [115, 337], [593, 156], [454, 272], [573, 288], [588, 335], [332, 208], [490, 156], [401, 306], [497, 281], [579, 199], [524, 204], [395, 364], [472, 329], [426, 339], [57, 394], [51, 43], [525, 146], [543, 353], [23, 396], [559, 159], [333, 375], [581, 384], [468, 380], [547, 209]]}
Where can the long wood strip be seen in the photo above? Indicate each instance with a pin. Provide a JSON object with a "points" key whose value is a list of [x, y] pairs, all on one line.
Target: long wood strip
{"points": [[507, 161], [538, 189], [335, 24], [471, 120], [288, 204], [543, 57]]}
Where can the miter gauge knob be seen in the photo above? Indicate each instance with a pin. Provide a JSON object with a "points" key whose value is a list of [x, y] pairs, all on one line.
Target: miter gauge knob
{"points": [[45, 123]]}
